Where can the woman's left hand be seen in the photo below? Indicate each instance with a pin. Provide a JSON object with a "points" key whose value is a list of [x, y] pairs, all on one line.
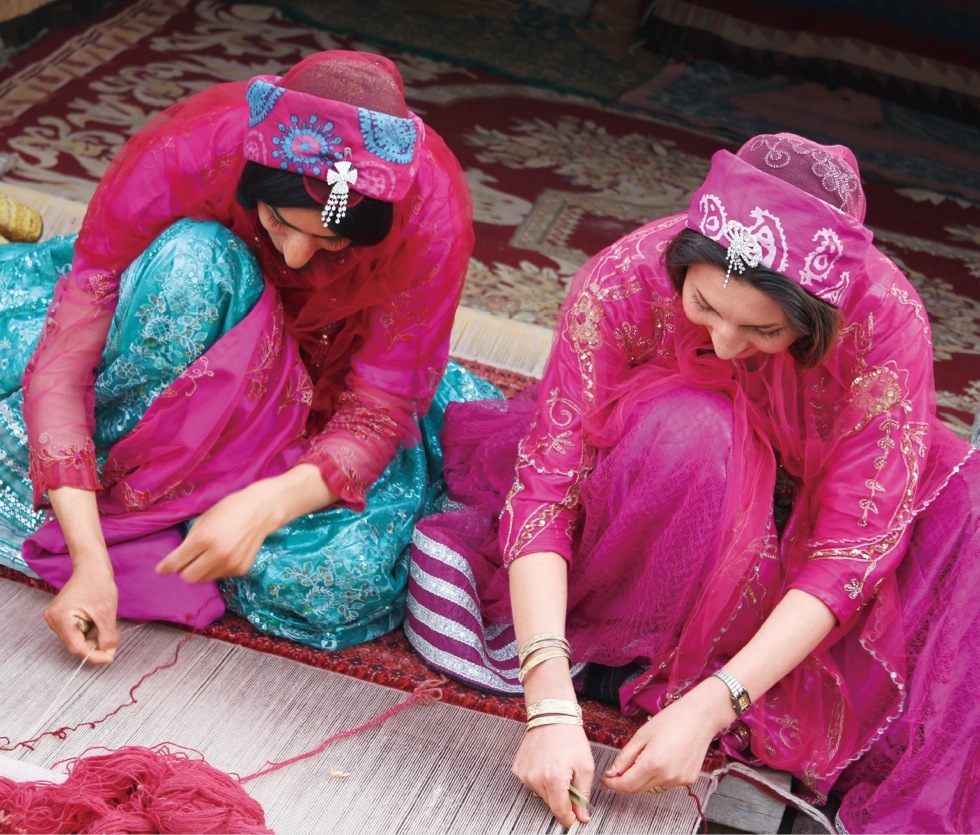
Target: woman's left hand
{"points": [[669, 750], [224, 540]]}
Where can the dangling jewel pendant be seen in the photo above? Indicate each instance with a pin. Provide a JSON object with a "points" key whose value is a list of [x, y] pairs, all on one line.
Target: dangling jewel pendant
{"points": [[341, 177], [744, 248]]}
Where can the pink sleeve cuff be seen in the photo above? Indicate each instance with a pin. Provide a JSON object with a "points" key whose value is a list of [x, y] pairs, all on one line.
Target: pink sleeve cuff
{"points": [[67, 466], [341, 476], [537, 537]]}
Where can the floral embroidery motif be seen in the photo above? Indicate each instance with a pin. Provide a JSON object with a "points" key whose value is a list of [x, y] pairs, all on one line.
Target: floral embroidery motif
{"points": [[361, 418], [215, 167], [865, 554], [586, 336], [188, 379], [836, 178], [637, 348], [873, 393], [789, 730], [103, 289], [298, 392], [76, 456], [136, 500], [258, 375], [874, 484], [49, 458], [904, 298], [305, 147]]}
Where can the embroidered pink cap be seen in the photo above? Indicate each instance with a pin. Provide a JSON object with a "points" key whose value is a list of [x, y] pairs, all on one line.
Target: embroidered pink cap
{"points": [[788, 204], [345, 146]]}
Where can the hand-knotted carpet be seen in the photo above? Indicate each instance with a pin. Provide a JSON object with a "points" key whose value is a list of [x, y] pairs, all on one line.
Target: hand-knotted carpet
{"points": [[555, 177]]}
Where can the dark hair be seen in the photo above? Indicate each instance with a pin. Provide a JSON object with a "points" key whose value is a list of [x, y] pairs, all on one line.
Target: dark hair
{"points": [[366, 223], [817, 322]]}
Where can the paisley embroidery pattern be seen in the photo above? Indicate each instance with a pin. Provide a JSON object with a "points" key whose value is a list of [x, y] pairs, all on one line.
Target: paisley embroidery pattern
{"points": [[262, 97], [306, 147], [389, 137]]}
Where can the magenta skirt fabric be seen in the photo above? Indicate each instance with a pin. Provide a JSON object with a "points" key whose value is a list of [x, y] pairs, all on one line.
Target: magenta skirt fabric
{"points": [[650, 524]]}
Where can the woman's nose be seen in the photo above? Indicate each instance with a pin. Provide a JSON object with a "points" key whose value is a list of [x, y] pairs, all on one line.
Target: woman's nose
{"points": [[727, 342], [298, 249]]}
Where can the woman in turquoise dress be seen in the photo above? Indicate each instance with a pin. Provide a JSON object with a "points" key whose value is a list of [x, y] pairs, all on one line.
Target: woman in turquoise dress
{"points": [[240, 365]]}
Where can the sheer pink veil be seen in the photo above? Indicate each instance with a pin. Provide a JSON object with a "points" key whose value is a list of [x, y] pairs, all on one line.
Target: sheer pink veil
{"points": [[357, 278], [186, 162]]}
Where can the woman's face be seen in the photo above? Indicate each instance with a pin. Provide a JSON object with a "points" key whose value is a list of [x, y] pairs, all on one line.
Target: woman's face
{"points": [[298, 234], [741, 320]]}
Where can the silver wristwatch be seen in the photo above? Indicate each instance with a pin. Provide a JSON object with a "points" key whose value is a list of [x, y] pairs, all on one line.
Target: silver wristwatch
{"points": [[740, 696]]}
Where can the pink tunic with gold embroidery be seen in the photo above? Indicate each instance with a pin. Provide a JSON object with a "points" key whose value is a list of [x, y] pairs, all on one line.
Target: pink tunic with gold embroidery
{"points": [[859, 436]]}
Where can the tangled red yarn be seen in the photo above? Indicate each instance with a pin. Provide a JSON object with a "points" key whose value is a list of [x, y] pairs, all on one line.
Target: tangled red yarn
{"points": [[133, 789]]}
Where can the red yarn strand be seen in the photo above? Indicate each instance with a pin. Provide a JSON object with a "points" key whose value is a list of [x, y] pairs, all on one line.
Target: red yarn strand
{"points": [[62, 733], [697, 802], [133, 789], [427, 691]]}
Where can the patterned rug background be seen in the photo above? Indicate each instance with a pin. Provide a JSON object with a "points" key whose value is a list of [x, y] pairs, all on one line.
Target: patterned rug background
{"points": [[558, 168], [555, 175], [613, 65]]}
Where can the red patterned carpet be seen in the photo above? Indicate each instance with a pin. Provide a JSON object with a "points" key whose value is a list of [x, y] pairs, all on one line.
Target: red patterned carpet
{"points": [[554, 177]]}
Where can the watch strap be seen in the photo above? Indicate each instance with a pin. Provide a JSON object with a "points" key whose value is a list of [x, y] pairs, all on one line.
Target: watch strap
{"points": [[740, 696]]}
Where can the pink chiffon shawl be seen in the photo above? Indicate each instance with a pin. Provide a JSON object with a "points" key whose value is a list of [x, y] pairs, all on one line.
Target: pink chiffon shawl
{"points": [[372, 323], [859, 436]]}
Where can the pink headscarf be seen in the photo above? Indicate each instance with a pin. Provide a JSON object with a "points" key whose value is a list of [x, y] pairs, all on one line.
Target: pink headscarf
{"points": [[809, 228]]}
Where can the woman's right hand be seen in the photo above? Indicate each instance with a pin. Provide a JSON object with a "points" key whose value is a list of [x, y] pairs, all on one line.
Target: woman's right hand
{"points": [[549, 760], [83, 613]]}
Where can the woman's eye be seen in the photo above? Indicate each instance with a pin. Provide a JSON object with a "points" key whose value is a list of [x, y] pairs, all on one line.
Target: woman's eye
{"points": [[702, 306], [274, 219], [770, 334]]}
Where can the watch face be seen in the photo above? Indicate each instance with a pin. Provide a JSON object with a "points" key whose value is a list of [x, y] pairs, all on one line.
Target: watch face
{"points": [[742, 703]]}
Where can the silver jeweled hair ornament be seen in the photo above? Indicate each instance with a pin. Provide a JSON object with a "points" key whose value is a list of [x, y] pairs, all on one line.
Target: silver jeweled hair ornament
{"points": [[341, 177], [744, 248]]}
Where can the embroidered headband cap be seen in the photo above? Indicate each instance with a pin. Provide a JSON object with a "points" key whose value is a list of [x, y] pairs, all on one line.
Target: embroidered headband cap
{"points": [[790, 205], [340, 142]]}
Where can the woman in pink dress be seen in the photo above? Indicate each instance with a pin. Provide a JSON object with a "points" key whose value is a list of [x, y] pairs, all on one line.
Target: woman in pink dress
{"points": [[734, 500], [232, 380]]}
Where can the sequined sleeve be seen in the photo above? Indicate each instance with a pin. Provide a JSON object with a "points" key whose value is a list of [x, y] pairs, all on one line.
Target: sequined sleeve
{"points": [[612, 321]]}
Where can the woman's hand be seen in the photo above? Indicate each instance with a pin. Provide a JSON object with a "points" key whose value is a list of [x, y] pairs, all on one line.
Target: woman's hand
{"points": [[225, 539], [83, 613], [549, 760], [669, 750]]}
